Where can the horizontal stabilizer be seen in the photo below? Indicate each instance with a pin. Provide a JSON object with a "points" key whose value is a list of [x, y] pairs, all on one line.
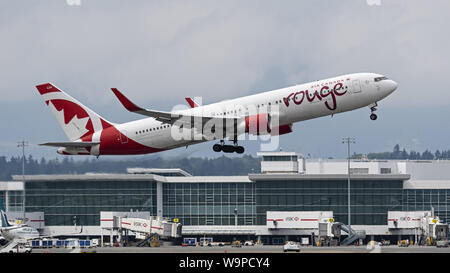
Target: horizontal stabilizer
{"points": [[70, 144]]}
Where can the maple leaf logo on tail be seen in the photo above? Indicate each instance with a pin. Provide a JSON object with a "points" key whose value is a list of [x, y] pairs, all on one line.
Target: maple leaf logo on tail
{"points": [[76, 120], [73, 119]]}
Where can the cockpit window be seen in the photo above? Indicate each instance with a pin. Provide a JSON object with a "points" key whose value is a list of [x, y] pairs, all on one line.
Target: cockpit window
{"points": [[380, 79]]}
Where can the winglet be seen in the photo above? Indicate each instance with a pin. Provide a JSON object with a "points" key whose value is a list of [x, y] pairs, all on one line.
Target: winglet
{"points": [[191, 102], [126, 102]]}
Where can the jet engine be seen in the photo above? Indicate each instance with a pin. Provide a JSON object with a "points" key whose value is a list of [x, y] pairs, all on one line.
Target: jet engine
{"points": [[258, 124]]}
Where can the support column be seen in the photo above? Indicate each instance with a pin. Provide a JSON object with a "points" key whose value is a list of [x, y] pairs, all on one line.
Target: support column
{"points": [[6, 201], [101, 236], [159, 199]]}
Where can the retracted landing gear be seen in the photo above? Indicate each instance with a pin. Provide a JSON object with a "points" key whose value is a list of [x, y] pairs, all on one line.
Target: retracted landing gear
{"points": [[373, 108], [228, 148]]}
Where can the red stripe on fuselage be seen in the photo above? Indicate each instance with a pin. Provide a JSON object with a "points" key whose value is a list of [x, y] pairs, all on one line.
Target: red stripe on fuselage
{"points": [[111, 143]]}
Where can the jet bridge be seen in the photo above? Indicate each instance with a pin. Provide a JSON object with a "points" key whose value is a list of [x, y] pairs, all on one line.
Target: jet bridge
{"points": [[139, 224], [145, 227], [427, 227]]}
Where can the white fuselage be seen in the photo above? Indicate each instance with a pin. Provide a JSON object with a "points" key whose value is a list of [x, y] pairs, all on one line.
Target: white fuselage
{"points": [[19, 232], [268, 113], [323, 97]]}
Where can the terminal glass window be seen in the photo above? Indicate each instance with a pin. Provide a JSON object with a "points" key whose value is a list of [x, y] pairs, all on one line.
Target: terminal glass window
{"points": [[210, 203], [370, 200], [61, 201], [15, 201], [359, 170], [280, 158], [421, 199], [2, 198]]}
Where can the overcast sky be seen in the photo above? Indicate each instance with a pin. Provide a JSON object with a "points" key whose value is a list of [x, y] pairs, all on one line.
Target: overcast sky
{"points": [[158, 52]]}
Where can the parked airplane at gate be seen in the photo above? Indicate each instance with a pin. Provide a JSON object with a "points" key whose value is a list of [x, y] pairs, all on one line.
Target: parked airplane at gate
{"points": [[22, 232], [271, 112], [15, 232]]}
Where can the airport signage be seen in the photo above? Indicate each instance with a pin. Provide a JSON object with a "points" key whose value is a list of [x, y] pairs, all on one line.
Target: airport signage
{"points": [[297, 219]]}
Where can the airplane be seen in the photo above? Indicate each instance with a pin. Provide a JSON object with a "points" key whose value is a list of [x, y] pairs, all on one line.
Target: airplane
{"points": [[22, 232], [15, 232], [269, 113]]}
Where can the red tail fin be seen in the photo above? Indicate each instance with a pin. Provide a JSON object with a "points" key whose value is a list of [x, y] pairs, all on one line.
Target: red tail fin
{"points": [[77, 120]]}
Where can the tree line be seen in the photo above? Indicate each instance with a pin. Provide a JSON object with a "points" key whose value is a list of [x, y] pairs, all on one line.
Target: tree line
{"points": [[196, 166], [402, 154]]}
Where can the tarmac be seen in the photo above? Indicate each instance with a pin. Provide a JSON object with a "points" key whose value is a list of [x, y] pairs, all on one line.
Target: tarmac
{"points": [[250, 249]]}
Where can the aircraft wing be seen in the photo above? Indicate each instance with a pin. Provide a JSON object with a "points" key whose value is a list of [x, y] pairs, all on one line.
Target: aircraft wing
{"points": [[70, 144], [169, 117]]}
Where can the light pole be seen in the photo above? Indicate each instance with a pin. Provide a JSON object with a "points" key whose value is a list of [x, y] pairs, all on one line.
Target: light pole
{"points": [[235, 220], [348, 141], [23, 144]]}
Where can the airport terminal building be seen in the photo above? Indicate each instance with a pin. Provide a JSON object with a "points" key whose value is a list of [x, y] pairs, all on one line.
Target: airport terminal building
{"points": [[228, 207]]}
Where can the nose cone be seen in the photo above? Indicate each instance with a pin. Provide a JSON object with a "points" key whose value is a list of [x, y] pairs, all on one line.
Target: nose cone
{"points": [[391, 86]]}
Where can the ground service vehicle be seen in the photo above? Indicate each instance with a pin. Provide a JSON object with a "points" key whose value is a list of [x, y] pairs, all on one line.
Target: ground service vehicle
{"points": [[291, 246], [236, 244], [18, 248], [249, 243]]}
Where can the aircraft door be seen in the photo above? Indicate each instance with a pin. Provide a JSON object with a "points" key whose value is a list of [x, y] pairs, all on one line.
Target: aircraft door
{"points": [[356, 86]]}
